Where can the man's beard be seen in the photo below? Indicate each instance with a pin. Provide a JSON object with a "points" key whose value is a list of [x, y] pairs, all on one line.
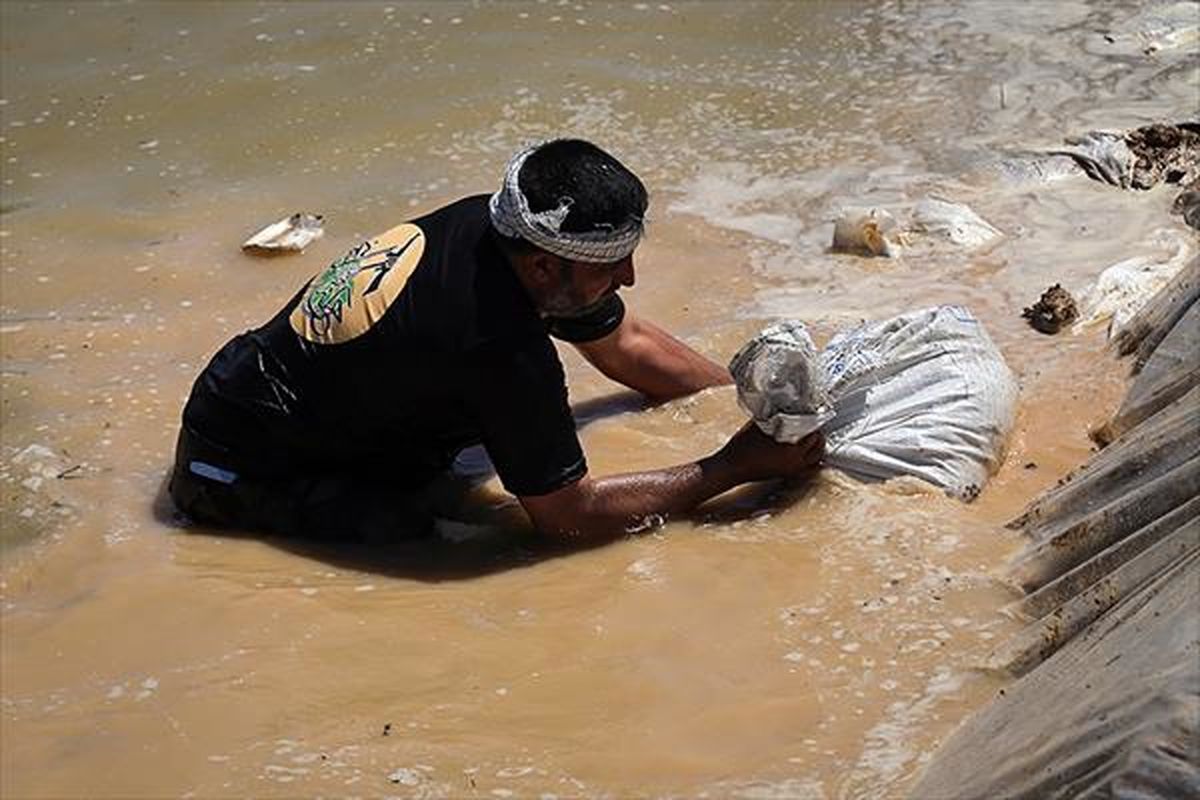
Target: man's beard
{"points": [[563, 304], [566, 302]]}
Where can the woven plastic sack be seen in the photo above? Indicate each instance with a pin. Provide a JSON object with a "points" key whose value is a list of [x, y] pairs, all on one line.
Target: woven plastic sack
{"points": [[779, 382], [925, 394]]}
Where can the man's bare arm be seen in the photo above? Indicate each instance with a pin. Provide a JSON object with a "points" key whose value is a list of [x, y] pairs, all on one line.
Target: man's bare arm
{"points": [[605, 508], [644, 357]]}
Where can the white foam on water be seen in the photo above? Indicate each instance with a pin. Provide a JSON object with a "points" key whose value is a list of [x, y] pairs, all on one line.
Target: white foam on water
{"points": [[889, 750]]}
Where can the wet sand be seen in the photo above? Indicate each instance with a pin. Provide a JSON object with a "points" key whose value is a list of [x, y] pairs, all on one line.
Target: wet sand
{"points": [[814, 642]]}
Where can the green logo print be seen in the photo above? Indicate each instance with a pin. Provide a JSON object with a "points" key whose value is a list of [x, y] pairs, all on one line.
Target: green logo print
{"points": [[333, 290]]}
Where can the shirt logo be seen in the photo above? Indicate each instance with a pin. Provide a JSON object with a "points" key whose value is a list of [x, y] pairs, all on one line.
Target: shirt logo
{"points": [[355, 291]]}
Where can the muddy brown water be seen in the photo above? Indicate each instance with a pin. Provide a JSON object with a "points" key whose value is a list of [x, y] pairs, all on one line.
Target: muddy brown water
{"points": [[814, 643]]}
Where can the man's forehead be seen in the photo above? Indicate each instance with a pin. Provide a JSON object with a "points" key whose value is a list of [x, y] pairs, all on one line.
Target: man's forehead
{"points": [[603, 266]]}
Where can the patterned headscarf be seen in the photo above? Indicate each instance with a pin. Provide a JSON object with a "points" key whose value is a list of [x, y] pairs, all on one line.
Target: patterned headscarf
{"points": [[511, 217]]}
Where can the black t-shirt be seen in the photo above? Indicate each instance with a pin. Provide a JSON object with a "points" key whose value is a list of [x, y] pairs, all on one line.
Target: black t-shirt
{"points": [[413, 345]]}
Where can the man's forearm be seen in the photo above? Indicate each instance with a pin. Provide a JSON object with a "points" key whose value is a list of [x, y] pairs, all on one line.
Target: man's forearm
{"points": [[634, 498], [611, 506], [678, 368], [604, 508], [646, 358]]}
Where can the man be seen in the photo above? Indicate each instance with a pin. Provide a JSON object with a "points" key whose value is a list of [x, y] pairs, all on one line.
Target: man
{"points": [[330, 418]]}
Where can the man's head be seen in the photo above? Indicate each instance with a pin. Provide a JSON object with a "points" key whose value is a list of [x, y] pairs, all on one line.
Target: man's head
{"points": [[570, 216]]}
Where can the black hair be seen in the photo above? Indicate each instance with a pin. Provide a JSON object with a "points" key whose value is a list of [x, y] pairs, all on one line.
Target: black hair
{"points": [[603, 192]]}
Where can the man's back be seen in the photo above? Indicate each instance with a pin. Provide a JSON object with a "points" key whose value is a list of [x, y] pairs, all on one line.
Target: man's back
{"points": [[433, 336], [392, 358]]}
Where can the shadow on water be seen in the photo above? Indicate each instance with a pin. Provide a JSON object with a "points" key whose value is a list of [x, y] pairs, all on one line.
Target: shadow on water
{"points": [[480, 538], [435, 559]]}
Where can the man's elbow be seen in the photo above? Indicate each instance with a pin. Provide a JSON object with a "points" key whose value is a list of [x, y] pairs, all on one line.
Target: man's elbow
{"points": [[561, 514], [574, 515]]}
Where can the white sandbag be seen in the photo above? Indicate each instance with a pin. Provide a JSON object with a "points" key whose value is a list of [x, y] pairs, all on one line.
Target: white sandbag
{"points": [[866, 231], [1125, 287], [780, 384], [953, 221], [925, 394]]}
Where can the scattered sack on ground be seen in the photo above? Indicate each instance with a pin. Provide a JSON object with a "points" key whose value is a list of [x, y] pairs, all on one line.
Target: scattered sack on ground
{"points": [[955, 222], [1104, 156], [1018, 167], [925, 394], [1141, 158], [933, 221], [867, 232], [292, 233], [1123, 288], [1054, 310]]}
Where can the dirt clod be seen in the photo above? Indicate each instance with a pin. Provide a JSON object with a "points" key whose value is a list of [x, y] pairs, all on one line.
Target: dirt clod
{"points": [[1053, 310], [1164, 153], [1187, 204]]}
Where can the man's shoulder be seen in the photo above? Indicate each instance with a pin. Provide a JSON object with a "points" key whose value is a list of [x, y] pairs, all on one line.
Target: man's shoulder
{"points": [[464, 294], [470, 210]]}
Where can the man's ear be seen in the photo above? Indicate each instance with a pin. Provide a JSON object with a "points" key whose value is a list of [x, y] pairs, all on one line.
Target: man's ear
{"points": [[543, 268]]}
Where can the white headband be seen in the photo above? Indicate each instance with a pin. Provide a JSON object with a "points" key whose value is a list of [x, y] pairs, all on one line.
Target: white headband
{"points": [[512, 218]]}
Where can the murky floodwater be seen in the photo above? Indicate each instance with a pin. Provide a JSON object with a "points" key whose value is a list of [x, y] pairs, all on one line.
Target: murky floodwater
{"points": [[816, 643]]}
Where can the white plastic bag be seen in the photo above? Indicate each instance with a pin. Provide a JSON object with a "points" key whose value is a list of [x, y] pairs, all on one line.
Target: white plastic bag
{"points": [[953, 221], [779, 382], [1125, 287], [925, 394]]}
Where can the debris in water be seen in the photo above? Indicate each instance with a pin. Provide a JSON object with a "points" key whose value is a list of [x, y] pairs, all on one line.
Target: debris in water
{"points": [[1141, 158], [1103, 155], [405, 777], [1187, 204], [1164, 153], [292, 233], [1052, 311], [1125, 287], [875, 232], [954, 221], [867, 232]]}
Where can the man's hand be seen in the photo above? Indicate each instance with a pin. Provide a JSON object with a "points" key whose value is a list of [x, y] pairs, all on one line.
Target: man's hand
{"points": [[609, 507], [647, 359], [754, 456]]}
